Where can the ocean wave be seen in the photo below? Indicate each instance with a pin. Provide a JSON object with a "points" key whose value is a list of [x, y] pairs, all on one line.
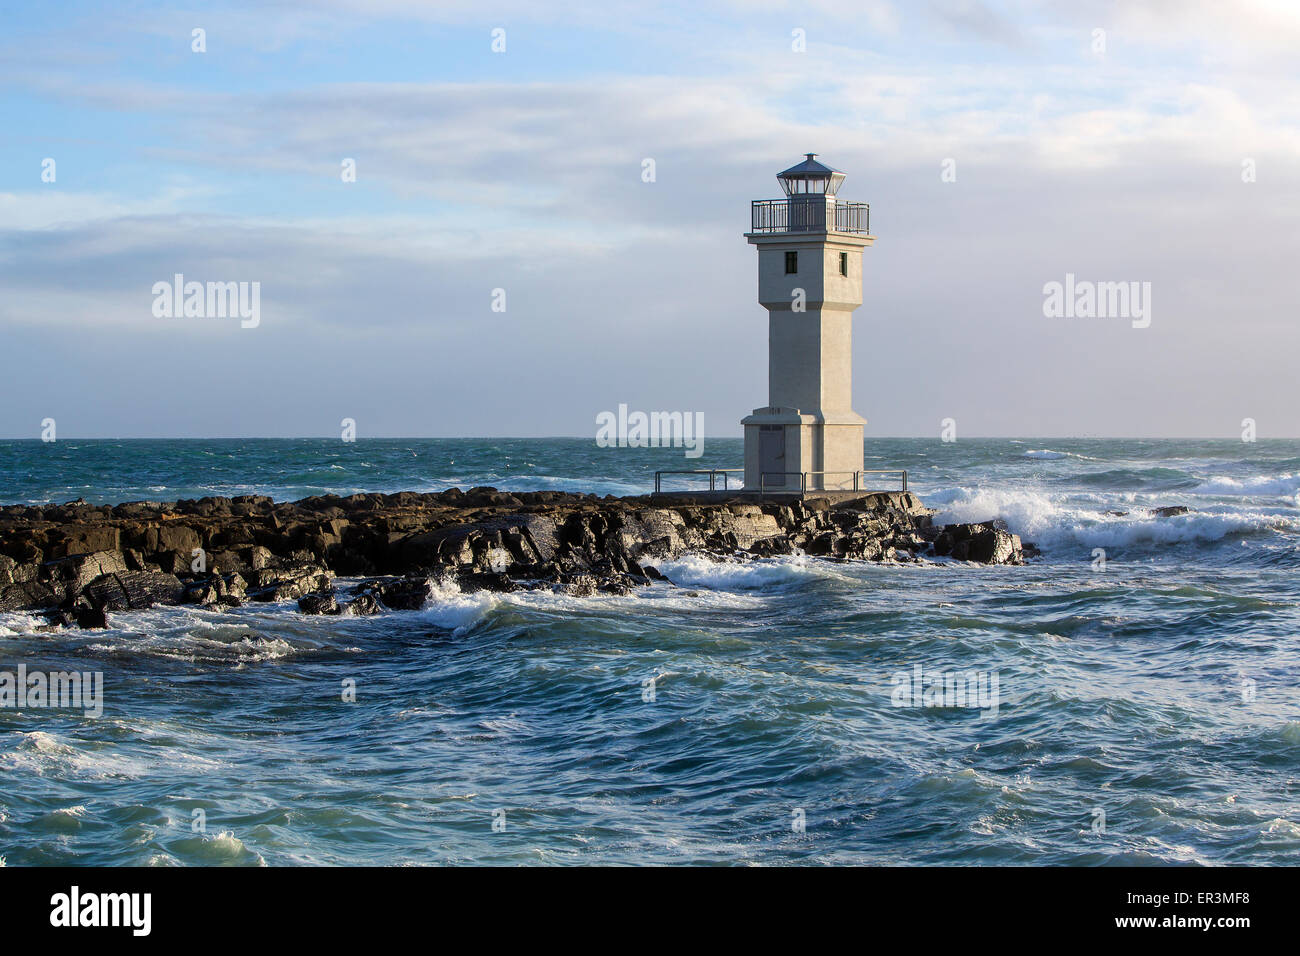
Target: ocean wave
{"points": [[1197, 527], [699, 571], [1129, 480], [218, 848], [722, 587], [44, 754], [1054, 520], [246, 649], [449, 607], [202, 636], [19, 623], [1284, 486]]}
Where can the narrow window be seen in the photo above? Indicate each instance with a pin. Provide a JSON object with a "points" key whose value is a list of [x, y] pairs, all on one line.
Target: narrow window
{"points": [[844, 263], [791, 263]]}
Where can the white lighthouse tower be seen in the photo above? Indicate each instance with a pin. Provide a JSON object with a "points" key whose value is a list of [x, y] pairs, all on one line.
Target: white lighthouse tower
{"points": [[810, 281]]}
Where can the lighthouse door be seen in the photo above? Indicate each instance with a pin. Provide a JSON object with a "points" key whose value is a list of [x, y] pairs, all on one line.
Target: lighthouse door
{"points": [[771, 454]]}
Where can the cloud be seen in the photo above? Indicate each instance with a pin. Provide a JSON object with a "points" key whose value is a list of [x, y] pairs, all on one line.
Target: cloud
{"points": [[376, 295]]}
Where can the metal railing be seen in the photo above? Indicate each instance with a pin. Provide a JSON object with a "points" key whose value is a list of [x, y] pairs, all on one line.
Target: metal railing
{"points": [[853, 217], [711, 472], [901, 472], [803, 476], [783, 215]]}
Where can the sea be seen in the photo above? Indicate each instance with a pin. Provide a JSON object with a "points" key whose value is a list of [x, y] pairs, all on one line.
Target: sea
{"points": [[1131, 696]]}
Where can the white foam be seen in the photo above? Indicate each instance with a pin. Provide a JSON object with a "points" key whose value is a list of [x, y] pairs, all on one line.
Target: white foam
{"points": [[1054, 520], [1028, 513], [17, 623], [1285, 486], [1196, 527], [218, 640], [447, 606], [42, 753], [661, 595], [700, 571]]}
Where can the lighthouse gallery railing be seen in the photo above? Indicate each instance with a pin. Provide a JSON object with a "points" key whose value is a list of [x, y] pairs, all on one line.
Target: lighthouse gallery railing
{"points": [[805, 479], [782, 215]]}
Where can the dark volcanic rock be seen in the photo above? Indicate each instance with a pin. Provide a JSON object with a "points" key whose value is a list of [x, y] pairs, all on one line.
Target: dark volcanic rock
{"points": [[987, 543], [498, 581], [278, 584], [132, 590], [322, 603], [408, 594], [91, 617], [994, 546], [579, 585], [361, 606], [30, 596], [218, 551]]}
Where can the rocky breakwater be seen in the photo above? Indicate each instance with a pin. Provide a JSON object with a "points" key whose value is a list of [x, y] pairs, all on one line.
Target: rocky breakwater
{"points": [[76, 563]]}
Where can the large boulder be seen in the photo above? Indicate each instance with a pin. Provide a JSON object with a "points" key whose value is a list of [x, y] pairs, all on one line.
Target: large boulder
{"points": [[224, 588], [994, 546], [133, 590], [452, 545], [323, 602], [172, 537], [86, 539], [361, 606], [16, 572], [81, 570], [985, 543], [31, 595], [542, 534], [278, 584]]}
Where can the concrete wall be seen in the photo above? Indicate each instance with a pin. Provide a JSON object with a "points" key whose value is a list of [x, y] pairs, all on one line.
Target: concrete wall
{"points": [[810, 357], [819, 270]]}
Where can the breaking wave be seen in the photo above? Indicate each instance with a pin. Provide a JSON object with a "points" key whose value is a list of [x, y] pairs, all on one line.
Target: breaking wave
{"points": [[1058, 520], [1284, 486]]}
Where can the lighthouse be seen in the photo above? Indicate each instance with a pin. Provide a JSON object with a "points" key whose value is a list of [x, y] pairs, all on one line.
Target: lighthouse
{"points": [[807, 437]]}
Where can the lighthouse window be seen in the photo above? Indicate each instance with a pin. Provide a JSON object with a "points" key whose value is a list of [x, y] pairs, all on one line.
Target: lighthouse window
{"points": [[791, 263], [844, 263]]}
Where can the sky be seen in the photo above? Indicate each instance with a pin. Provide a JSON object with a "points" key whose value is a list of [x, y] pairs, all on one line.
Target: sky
{"points": [[1001, 146]]}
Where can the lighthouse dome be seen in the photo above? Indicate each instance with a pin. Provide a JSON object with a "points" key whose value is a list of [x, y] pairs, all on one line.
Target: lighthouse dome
{"points": [[810, 178]]}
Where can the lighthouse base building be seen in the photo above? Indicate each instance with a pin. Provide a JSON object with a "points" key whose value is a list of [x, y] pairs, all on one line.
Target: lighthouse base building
{"points": [[808, 437]]}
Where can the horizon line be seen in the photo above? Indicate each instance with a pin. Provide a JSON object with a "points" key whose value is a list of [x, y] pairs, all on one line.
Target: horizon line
{"points": [[869, 438]]}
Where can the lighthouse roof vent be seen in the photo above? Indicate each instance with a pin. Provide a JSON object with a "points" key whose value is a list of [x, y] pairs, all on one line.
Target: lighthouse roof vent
{"points": [[810, 177]]}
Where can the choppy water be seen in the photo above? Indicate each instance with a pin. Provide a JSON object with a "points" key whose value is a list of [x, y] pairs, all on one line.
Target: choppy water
{"points": [[1161, 691]]}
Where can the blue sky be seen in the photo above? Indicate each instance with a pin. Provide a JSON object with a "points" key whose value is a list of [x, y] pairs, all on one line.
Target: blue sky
{"points": [[521, 170]]}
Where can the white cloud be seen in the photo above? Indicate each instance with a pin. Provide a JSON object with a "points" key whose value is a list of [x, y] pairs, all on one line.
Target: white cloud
{"points": [[1121, 167]]}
